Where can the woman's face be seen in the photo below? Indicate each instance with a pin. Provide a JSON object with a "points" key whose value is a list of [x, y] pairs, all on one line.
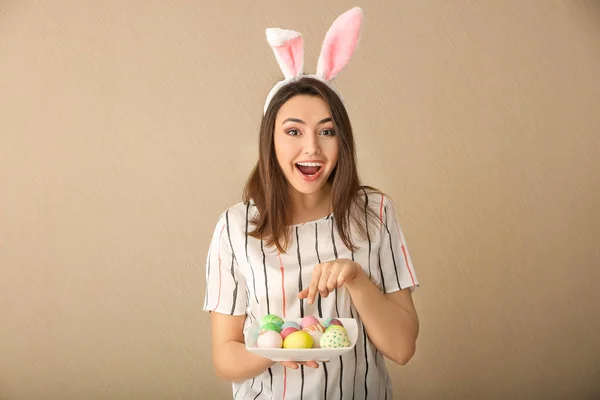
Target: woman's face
{"points": [[306, 144]]}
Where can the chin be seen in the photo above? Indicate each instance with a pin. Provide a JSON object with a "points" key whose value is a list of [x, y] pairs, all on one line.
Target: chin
{"points": [[310, 189]]}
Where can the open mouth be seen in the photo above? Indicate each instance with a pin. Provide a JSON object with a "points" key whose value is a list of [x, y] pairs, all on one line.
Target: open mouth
{"points": [[309, 169]]}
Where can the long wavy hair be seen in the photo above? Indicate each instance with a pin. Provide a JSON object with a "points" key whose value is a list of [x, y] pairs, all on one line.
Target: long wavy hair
{"points": [[268, 188]]}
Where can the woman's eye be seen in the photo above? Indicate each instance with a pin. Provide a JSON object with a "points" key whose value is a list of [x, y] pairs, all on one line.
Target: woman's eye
{"points": [[293, 132], [328, 132]]}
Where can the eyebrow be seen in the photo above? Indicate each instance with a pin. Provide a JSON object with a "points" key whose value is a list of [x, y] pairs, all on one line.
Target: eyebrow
{"points": [[328, 119]]}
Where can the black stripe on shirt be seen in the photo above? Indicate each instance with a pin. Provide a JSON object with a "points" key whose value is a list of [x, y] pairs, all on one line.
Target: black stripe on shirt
{"points": [[367, 227], [319, 300], [355, 355], [325, 370], [392, 248], [366, 360], [235, 290], [302, 382], [237, 391], [247, 258], [381, 273], [261, 389], [271, 373], [335, 253], [266, 283], [319, 259], [300, 279]]}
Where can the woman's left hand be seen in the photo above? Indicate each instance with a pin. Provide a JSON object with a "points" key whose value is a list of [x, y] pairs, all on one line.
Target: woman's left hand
{"points": [[328, 276]]}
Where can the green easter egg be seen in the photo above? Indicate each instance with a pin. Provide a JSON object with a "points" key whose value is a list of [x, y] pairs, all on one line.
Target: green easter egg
{"points": [[270, 326], [271, 318]]}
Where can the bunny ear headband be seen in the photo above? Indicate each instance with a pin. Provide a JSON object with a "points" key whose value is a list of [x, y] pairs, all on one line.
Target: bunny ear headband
{"points": [[339, 44]]}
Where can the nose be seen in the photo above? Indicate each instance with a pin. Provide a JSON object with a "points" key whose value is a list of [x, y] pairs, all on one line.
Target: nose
{"points": [[311, 144]]}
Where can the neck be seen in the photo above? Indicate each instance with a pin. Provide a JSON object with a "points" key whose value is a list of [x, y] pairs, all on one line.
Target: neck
{"points": [[306, 207]]}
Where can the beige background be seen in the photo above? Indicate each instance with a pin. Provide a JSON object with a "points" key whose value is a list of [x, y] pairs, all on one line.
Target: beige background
{"points": [[126, 127]]}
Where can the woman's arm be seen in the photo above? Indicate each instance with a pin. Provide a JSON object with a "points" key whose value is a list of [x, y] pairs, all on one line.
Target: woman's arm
{"points": [[390, 319], [231, 360]]}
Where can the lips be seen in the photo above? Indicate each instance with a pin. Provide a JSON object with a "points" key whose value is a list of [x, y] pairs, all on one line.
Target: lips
{"points": [[309, 170]]}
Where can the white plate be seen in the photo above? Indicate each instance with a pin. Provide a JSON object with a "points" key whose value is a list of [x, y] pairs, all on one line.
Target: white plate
{"points": [[317, 354]]}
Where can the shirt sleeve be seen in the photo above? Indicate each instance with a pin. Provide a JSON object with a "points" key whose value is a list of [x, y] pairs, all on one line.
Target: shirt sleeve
{"points": [[225, 285], [396, 265]]}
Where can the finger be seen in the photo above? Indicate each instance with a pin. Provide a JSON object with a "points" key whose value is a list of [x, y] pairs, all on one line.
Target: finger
{"points": [[303, 294], [333, 277], [323, 290], [289, 364], [311, 364], [342, 277], [314, 282]]}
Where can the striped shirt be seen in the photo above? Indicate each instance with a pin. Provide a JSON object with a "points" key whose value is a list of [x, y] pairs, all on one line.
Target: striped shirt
{"points": [[244, 277]]}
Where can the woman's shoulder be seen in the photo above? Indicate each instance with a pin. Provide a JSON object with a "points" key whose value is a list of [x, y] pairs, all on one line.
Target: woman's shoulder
{"points": [[238, 213], [374, 197]]}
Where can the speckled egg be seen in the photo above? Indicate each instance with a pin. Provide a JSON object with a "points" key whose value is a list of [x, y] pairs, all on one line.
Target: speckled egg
{"points": [[334, 338], [308, 320], [269, 340], [336, 328]]}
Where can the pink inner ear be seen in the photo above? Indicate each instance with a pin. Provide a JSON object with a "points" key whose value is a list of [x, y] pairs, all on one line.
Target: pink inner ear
{"points": [[339, 44], [290, 53]]}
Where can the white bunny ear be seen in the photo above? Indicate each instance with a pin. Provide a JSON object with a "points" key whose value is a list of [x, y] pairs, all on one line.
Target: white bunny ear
{"points": [[288, 49], [339, 44]]}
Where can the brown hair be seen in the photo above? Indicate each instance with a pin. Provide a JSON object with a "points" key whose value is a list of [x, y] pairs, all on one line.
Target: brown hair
{"points": [[268, 187]]}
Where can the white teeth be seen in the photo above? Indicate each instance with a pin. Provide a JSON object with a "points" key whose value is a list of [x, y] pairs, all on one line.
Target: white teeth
{"points": [[310, 164]]}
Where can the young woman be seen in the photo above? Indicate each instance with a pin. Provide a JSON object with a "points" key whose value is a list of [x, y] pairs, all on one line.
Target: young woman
{"points": [[309, 239]]}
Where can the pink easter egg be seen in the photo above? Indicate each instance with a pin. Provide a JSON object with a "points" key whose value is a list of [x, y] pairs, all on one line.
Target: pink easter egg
{"points": [[269, 340], [308, 320], [287, 331]]}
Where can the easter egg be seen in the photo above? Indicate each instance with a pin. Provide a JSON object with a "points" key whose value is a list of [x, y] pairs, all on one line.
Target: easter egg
{"points": [[271, 318], [269, 339], [293, 324], [334, 338], [332, 321], [316, 336], [298, 340], [270, 326], [315, 331], [314, 327], [308, 320], [336, 328], [290, 329]]}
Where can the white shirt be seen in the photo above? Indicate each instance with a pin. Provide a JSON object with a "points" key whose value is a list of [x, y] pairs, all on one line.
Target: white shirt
{"points": [[244, 277]]}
